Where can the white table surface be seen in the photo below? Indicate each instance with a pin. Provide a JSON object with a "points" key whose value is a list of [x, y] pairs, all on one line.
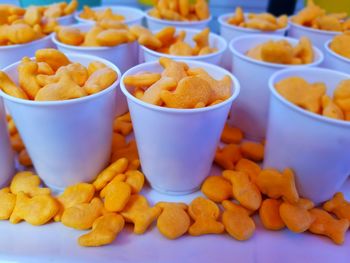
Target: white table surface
{"points": [[56, 243]]}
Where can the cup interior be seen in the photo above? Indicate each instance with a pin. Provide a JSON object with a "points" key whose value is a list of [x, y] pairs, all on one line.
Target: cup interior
{"points": [[331, 78], [241, 45], [154, 66], [333, 53]]}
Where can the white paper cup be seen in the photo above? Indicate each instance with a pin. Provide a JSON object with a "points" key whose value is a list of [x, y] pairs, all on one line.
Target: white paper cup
{"points": [[68, 141], [13, 53], [177, 146], [155, 24], [215, 41], [124, 56], [133, 16], [315, 147], [66, 20], [250, 111], [7, 164], [335, 61], [318, 37], [229, 32]]}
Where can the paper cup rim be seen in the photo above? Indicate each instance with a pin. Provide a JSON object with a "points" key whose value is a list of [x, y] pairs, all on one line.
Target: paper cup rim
{"points": [[222, 22], [82, 48], [4, 48], [217, 53], [300, 110], [313, 30], [331, 52], [64, 102], [83, 20], [234, 95], [176, 23], [269, 64]]}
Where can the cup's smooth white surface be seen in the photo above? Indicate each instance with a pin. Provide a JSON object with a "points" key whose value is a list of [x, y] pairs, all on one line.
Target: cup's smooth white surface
{"points": [[318, 37], [177, 146], [7, 164], [215, 41], [124, 56], [315, 147], [13, 53], [66, 20], [250, 111], [155, 24], [68, 141], [229, 32], [133, 16], [335, 61]]}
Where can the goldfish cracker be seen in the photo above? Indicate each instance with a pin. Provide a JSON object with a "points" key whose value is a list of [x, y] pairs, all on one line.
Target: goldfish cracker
{"points": [[264, 16], [44, 68], [104, 231], [261, 24], [304, 51], [255, 52], [236, 208], [122, 127], [249, 167], [111, 24], [117, 178], [138, 93], [149, 41], [134, 165], [275, 184], [238, 17], [28, 183], [82, 216], [340, 44], [141, 80], [328, 23], [339, 206], [202, 9], [5, 190], [184, 8], [139, 212], [217, 188], [125, 117], [270, 215], [27, 71], [342, 95], [173, 69], [118, 141], [221, 89], [53, 57], [64, 89], [296, 217], [252, 150], [70, 36], [95, 65], [108, 14], [129, 151], [205, 214], [21, 34], [90, 39], [11, 126], [301, 93], [330, 109], [71, 7], [228, 156], [325, 224], [53, 11], [117, 195], [190, 91], [32, 15], [76, 71], [138, 30], [308, 14], [49, 25], [136, 180], [166, 35], [100, 80], [282, 21], [108, 174], [7, 204], [112, 37], [244, 191], [180, 48], [87, 13], [152, 94], [24, 158], [202, 38], [37, 210], [279, 51], [238, 225], [79, 193], [206, 51], [170, 15], [16, 142], [173, 221]]}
